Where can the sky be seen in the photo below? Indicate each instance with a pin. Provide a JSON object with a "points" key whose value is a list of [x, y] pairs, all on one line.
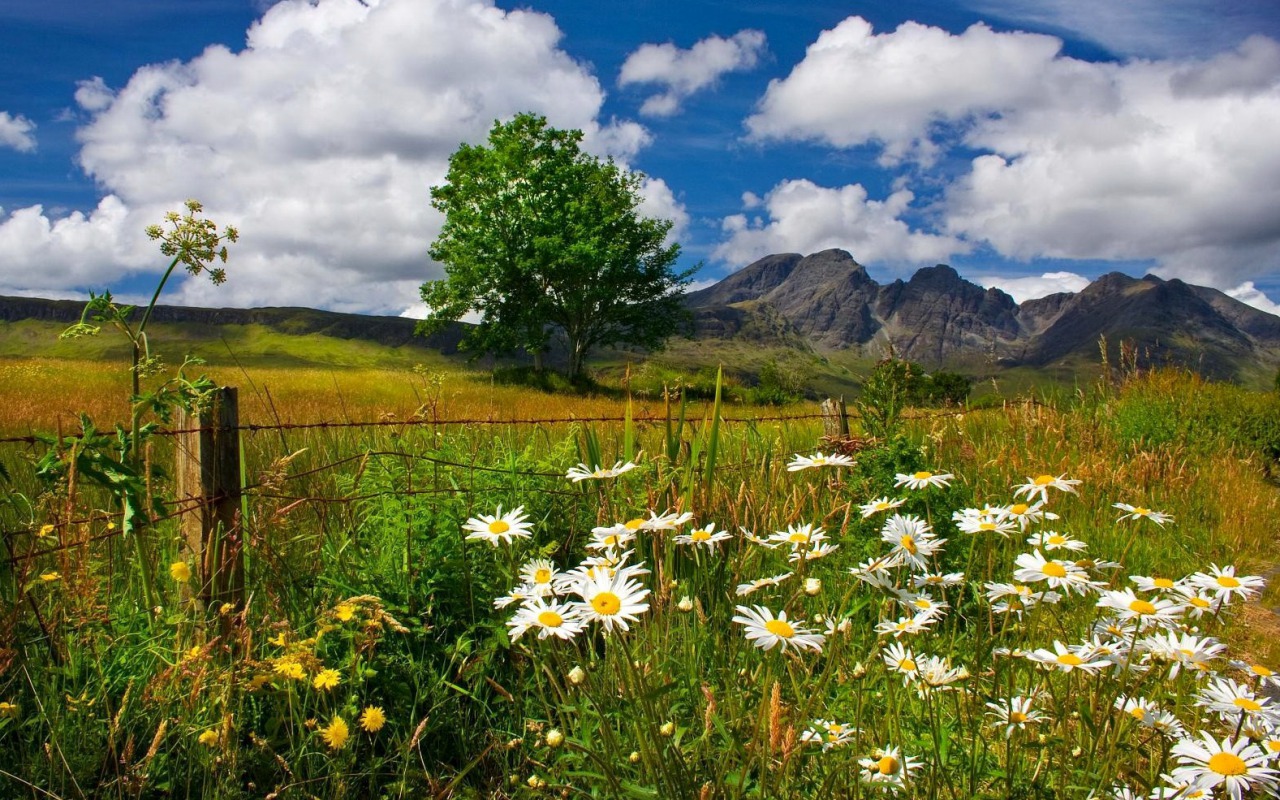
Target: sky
{"points": [[1032, 144]]}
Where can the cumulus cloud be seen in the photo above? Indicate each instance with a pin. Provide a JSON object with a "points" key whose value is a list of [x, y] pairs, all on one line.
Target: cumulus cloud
{"points": [[684, 72], [16, 132], [1029, 287], [319, 140], [1171, 161], [1252, 295], [803, 217]]}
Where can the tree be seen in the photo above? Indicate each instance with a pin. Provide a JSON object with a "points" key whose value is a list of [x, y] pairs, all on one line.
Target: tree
{"points": [[543, 240]]}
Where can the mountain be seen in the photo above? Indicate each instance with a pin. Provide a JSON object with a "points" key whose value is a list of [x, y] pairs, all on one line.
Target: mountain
{"points": [[939, 319]]}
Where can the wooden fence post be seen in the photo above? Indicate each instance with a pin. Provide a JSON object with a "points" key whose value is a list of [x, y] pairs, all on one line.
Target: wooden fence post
{"points": [[208, 475], [835, 418]]}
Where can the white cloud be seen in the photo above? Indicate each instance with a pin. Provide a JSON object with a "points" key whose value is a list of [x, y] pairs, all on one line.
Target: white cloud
{"points": [[659, 202], [803, 217], [15, 132], [1029, 287], [1252, 295], [319, 141], [1172, 161], [684, 72]]}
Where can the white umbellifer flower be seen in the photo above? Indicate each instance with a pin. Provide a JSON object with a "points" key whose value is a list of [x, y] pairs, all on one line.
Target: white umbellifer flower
{"points": [[800, 462], [1052, 540], [1033, 567], [1128, 606], [1138, 512], [613, 600], [888, 768], [923, 480], [549, 618], [829, 734], [1232, 700], [1016, 712], [499, 528], [745, 589], [1025, 514], [1065, 659], [766, 631], [1041, 485], [1234, 764], [582, 472], [880, 504], [1226, 585], [707, 536]]}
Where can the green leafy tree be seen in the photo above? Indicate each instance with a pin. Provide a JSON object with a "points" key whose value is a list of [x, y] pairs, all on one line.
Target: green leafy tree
{"points": [[543, 240]]}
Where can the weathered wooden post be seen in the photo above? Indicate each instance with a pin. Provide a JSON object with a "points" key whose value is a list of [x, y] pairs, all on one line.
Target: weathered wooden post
{"points": [[835, 419], [208, 475]]}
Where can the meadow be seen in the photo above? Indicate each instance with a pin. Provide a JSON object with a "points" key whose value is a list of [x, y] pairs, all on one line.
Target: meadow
{"points": [[704, 605]]}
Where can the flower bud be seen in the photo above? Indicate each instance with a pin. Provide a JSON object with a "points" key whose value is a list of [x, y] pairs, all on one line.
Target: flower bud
{"points": [[667, 729], [812, 586], [634, 758], [554, 738], [577, 675], [685, 604]]}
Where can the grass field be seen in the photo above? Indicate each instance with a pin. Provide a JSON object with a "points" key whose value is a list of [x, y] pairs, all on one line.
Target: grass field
{"points": [[368, 656]]}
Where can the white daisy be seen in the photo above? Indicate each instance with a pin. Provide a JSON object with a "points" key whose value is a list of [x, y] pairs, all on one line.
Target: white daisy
{"points": [[549, 618], [1052, 540], [1234, 764], [1128, 606], [1226, 585], [903, 661], [800, 462], [936, 579], [923, 480], [1065, 659], [499, 528], [1040, 486], [745, 589], [888, 768], [1034, 567], [828, 733], [905, 626], [1025, 514], [613, 600], [1138, 512], [766, 630], [1016, 712], [986, 524], [582, 472], [707, 536], [541, 574], [1235, 701], [1148, 583], [880, 504]]}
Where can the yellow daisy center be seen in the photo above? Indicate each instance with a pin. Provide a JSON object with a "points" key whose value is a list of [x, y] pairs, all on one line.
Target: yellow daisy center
{"points": [[819, 460], [1017, 717], [611, 541], [922, 603], [1054, 570], [1227, 764], [1044, 480], [1137, 712], [1057, 538], [499, 527], [1273, 745], [888, 765], [1162, 583], [799, 537], [542, 575], [1142, 607], [882, 506], [700, 535], [634, 524], [907, 665], [1199, 602], [606, 604], [550, 619], [1070, 659], [922, 476], [1228, 582], [1258, 669], [908, 544], [1141, 512], [780, 627], [1247, 704], [987, 526], [1019, 508]]}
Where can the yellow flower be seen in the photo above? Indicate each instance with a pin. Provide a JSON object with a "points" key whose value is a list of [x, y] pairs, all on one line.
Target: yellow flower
{"points": [[372, 719], [278, 641], [46, 530], [8, 709], [180, 572], [209, 738], [344, 612], [50, 577], [290, 669], [327, 679], [336, 733]]}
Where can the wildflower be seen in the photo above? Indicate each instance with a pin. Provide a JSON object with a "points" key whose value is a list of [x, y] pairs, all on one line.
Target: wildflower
{"points": [[922, 603], [50, 577], [1265, 676], [209, 738], [745, 589], [1235, 701], [1234, 764], [554, 738], [706, 536], [923, 480], [685, 604], [1147, 583], [1025, 514], [800, 462], [903, 661], [1065, 659], [937, 579], [46, 530], [326, 679], [880, 504], [1033, 567], [1128, 606], [1052, 540], [667, 729], [613, 600], [372, 719], [812, 586], [912, 539], [634, 758], [814, 551], [905, 626], [984, 524], [516, 595], [1138, 512], [499, 527], [658, 522], [828, 734], [290, 668], [937, 673], [875, 572], [766, 630], [1193, 602], [582, 472], [561, 620], [8, 709], [605, 537], [1226, 585], [887, 767], [540, 573], [1016, 712], [1149, 715], [798, 536], [335, 734], [1041, 485], [1182, 650], [180, 572], [577, 675]]}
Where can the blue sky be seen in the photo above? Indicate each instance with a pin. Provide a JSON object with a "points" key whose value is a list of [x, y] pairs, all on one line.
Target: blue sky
{"points": [[1032, 145]]}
